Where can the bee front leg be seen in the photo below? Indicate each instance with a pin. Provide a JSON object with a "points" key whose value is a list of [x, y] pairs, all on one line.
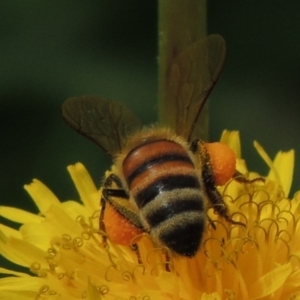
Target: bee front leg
{"points": [[109, 192], [111, 179]]}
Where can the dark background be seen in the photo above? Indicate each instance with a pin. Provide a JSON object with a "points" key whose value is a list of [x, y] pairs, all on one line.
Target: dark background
{"points": [[51, 50]]}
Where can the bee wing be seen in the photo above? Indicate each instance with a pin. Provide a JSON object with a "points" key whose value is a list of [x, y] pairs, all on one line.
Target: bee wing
{"points": [[106, 123], [193, 75]]}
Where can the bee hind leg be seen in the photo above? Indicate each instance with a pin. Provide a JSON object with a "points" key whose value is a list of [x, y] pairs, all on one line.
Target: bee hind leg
{"points": [[136, 249], [107, 193], [101, 221], [220, 206], [215, 198], [241, 178], [211, 223], [113, 188], [218, 203]]}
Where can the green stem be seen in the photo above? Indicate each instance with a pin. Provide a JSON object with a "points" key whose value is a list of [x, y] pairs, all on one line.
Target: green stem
{"points": [[180, 24]]}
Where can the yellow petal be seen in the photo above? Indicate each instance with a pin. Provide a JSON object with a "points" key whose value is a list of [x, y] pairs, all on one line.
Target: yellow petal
{"points": [[281, 169], [19, 215], [8, 231], [41, 195], [270, 282], [293, 283], [92, 292], [232, 139], [213, 296], [11, 272], [21, 252], [56, 223], [75, 209], [59, 222], [85, 186], [20, 287], [284, 165], [20, 295], [37, 235], [263, 154]]}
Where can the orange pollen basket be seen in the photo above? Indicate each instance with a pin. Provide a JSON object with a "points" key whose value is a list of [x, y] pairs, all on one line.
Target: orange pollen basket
{"points": [[118, 228], [222, 160]]}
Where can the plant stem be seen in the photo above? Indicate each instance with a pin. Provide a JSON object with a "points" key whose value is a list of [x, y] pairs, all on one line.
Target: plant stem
{"points": [[180, 24]]}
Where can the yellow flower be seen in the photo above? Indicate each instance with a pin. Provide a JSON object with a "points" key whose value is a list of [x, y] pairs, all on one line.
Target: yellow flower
{"points": [[63, 247]]}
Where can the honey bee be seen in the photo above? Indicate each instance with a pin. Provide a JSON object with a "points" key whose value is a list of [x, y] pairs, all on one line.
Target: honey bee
{"points": [[163, 178]]}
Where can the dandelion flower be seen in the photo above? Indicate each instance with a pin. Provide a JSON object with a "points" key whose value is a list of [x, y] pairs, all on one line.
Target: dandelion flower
{"points": [[63, 248]]}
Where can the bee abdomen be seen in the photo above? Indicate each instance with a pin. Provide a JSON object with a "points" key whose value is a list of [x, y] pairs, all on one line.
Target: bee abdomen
{"points": [[154, 156], [177, 219], [164, 184], [182, 233], [158, 166], [169, 204]]}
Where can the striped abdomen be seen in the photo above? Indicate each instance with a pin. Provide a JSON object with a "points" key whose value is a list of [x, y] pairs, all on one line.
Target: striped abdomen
{"points": [[163, 181]]}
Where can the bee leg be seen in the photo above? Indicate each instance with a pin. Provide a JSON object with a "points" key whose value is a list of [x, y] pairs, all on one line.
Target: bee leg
{"points": [[135, 248], [213, 195], [101, 222], [108, 192], [220, 206], [241, 178], [168, 262], [112, 178], [194, 145], [114, 193], [211, 223]]}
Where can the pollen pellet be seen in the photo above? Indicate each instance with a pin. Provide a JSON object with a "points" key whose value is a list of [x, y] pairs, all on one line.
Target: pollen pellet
{"points": [[118, 228], [222, 160]]}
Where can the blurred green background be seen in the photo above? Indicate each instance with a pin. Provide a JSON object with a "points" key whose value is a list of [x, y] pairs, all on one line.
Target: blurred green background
{"points": [[52, 50]]}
